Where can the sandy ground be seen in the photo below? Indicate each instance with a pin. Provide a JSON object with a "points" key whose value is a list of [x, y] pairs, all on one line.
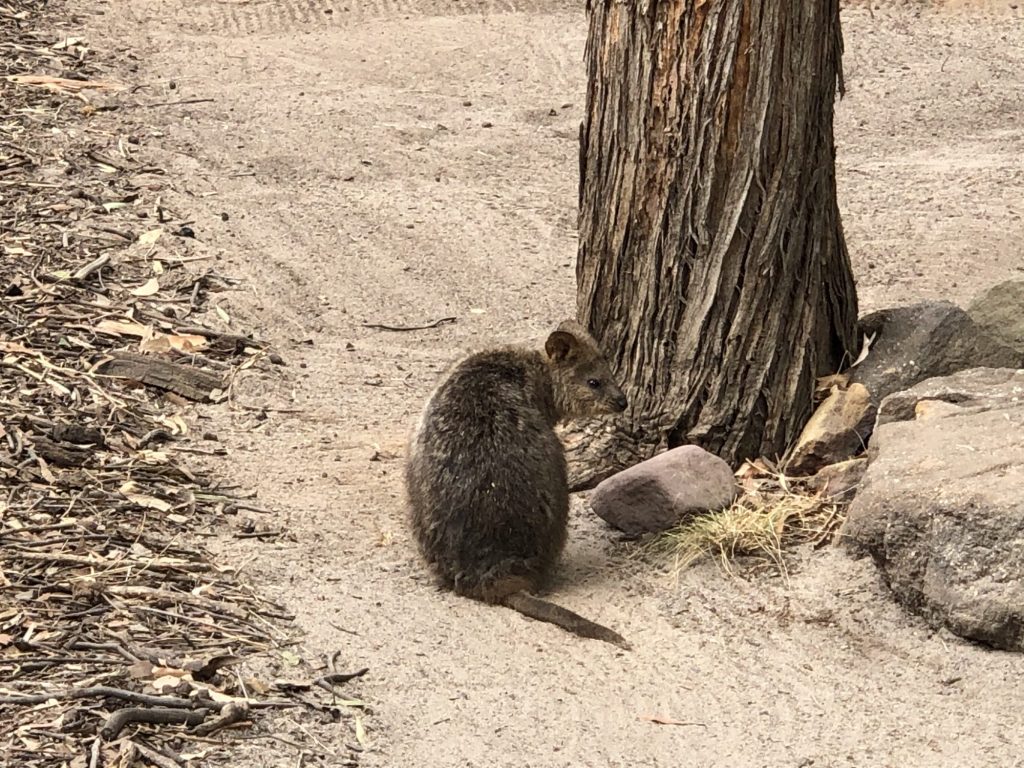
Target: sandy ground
{"points": [[401, 161]]}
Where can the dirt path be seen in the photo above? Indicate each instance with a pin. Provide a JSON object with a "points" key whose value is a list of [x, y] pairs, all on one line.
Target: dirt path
{"points": [[408, 161]]}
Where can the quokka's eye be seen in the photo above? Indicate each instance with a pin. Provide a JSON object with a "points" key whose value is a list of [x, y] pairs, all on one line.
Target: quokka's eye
{"points": [[594, 383]]}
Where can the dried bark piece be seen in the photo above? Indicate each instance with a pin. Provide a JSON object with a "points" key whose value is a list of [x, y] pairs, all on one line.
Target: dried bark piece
{"points": [[189, 382]]}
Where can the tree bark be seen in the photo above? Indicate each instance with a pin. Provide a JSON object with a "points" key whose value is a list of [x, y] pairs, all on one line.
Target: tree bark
{"points": [[712, 264]]}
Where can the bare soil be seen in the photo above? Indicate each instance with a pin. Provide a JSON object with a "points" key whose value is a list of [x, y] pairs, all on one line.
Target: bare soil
{"points": [[402, 161]]}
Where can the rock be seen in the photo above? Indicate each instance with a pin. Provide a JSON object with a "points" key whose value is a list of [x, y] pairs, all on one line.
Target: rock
{"points": [[837, 431], [941, 509], [979, 389], [921, 341], [1000, 313], [839, 482], [659, 493]]}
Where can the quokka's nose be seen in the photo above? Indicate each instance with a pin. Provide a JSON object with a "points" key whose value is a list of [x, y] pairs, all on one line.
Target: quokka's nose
{"points": [[620, 402]]}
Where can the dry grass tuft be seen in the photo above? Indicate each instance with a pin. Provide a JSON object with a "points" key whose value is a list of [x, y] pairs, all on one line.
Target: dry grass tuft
{"points": [[772, 513]]}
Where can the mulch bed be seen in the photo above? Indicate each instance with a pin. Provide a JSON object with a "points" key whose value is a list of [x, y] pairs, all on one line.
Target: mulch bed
{"points": [[120, 637]]}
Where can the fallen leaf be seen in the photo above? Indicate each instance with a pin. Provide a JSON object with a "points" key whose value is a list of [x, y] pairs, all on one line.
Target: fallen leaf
{"points": [[149, 502], [14, 346], [121, 328], [62, 84], [161, 684], [290, 658], [223, 698], [141, 670], [167, 342], [349, 703], [257, 686], [154, 457], [826, 383], [360, 732], [223, 315], [175, 672], [59, 388], [174, 422], [865, 349], [150, 237], [148, 288]]}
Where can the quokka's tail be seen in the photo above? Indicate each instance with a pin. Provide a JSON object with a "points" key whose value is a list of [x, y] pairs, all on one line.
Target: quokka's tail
{"points": [[542, 610]]}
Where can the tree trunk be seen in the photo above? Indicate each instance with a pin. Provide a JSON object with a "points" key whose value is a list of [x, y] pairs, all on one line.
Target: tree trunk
{"points": [[711, 264]]}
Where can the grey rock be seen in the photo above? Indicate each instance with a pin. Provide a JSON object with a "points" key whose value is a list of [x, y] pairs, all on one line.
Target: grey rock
{"points": [[925, 340], [837, 431], [973, 390], [1000, 313], [941, 510], [839, 482], [660, 493]]}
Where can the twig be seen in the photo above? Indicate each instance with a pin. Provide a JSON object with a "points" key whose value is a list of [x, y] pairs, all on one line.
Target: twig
{"points": [[103, 691], [117, 721], [327, 682], [162, 761], [257, 534], [428, 326], [172, 103], [93, 266], [234, 712], [58, 557]]}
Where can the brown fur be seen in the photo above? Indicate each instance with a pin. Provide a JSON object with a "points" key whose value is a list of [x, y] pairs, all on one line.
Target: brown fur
{"points": [[486, 474]]}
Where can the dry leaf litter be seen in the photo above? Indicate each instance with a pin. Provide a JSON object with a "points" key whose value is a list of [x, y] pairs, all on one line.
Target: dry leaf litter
{"points": [[121, 641]]}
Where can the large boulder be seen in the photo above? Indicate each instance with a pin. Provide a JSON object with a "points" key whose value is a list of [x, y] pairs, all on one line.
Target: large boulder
{"points": [[941, 509], [921, 341], [999, 312], [662, 492]]}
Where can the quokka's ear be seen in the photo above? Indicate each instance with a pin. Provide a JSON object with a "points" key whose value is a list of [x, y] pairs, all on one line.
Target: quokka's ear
{"points": [[561, 345]]}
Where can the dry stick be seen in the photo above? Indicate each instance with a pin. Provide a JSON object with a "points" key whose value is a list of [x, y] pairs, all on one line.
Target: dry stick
{"points": [[207, 333], [184, 598], [156, 758], [160, 716], [103, 691], [59, 557], [172, 103], [240, 624], [234, 712], [428, 326], [94, 753], [327, 682], [258, 535], [92, 266]]}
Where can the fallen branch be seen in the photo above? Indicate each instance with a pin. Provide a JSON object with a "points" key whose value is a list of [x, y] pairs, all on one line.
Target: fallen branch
{"points": [[117, 721]]}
